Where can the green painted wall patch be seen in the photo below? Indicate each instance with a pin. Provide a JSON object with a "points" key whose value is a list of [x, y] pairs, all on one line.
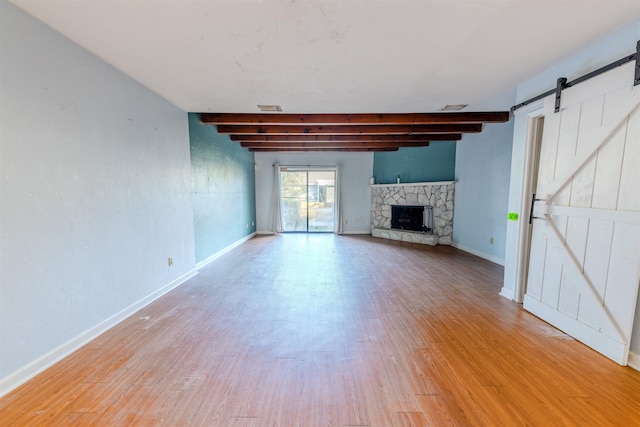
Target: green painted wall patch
{"points": [[512, 216]]}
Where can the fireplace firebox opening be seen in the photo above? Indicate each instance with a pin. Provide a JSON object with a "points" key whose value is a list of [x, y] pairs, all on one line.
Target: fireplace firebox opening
{"points": [[415, 218]]}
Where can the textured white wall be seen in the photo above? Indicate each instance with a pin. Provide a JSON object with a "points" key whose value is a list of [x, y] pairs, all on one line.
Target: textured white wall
{"points": [[356, 193], [95, 192]]}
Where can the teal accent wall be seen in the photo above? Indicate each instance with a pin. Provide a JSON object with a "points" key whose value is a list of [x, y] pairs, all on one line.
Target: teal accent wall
{"points": [[224, 196], [437, 162]]}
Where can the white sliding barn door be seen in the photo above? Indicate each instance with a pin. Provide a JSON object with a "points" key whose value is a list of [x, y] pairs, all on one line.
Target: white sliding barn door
{"points": [[584, 266]]}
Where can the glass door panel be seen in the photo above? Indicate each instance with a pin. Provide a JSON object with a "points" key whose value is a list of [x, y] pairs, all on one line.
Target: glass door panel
{"points": [[321, 196], [294, 200], [308, 200]]}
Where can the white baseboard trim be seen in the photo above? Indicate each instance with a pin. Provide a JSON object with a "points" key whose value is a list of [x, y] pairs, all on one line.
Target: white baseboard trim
{"points": [[494, 259], [271, 233], [223, 251], [507, 293], [634, 361], [32, 369]]}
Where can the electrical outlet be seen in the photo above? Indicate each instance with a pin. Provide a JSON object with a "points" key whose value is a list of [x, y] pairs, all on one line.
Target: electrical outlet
{"points": [[169, 261], [253, 223], [491, 240]]}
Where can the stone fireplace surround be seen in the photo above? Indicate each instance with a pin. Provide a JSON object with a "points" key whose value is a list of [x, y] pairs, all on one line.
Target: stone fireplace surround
{"points": [[439, 195]]}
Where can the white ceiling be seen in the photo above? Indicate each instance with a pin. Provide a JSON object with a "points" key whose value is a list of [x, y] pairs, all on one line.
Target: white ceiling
{"points": [[314, 56]]}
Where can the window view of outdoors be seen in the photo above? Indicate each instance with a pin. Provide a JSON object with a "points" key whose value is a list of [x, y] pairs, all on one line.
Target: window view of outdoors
{"points": [[308, 199]]}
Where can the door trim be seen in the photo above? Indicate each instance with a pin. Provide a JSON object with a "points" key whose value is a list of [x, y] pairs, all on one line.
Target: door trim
{"points": [[533, 136]]}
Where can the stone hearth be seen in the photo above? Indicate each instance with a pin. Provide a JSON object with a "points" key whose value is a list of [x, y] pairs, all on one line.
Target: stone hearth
{"points": [[439, 195]]}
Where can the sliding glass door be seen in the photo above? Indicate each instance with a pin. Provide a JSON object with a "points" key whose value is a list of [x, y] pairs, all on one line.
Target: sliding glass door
{"points": [[308, 200]]}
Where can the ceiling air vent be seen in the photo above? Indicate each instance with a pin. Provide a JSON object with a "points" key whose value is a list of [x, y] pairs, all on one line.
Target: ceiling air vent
{"points": [[269, 108], [454, 107]]}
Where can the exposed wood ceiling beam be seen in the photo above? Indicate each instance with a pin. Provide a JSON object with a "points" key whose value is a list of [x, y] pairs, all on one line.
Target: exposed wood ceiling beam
{"points": [[351, 144], [348, 132], [349, 129], [324, 149], [355, 119], [346, 138]]}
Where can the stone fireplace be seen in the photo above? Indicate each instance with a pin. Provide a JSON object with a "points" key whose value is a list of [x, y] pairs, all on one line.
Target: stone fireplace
{"points": [[437, 196]]}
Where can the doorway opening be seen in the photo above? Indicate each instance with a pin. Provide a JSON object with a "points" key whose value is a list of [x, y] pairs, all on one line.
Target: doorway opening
{"points": [[535, 129], [308, 200]]}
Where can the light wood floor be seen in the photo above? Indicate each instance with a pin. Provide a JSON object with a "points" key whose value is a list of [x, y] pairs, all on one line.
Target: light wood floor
{"points": [[322, 330]]}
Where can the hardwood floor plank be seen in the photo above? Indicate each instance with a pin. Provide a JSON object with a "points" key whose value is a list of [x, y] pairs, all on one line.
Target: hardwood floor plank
{"points": [[325, 330], [409, 419]]}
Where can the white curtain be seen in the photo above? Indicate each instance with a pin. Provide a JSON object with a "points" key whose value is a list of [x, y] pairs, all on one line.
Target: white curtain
{"points": [[275, 216], [337, 226]]}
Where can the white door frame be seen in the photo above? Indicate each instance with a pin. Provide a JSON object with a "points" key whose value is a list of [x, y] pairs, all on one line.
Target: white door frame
{"points": [[533, 114]]}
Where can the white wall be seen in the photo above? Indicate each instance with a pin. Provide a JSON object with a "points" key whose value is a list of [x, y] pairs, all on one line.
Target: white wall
{"points": [[355, 173], [483, 163], [95, 195], [599, 54]]}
